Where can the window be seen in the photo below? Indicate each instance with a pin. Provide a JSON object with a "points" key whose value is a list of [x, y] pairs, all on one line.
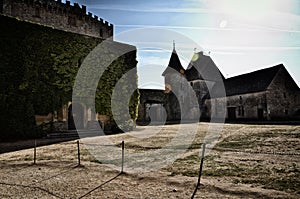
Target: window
{"points": [[37, 12], [284, 95], [79, 63], [192, 84], [241, 111], [101, 32], [241, 100], [286, 112]]}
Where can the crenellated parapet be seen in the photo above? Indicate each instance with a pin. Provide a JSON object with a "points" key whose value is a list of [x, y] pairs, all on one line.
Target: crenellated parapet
{"points": [[59, 15]]}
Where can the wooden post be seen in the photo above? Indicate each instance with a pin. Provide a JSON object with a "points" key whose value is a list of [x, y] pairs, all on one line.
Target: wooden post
{"points": [[78, 152], [34, 153], [123, 148], [200, 170]]}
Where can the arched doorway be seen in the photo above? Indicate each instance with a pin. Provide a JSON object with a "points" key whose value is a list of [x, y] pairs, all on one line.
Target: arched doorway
{"points": [[75, 115], [155, 112]]}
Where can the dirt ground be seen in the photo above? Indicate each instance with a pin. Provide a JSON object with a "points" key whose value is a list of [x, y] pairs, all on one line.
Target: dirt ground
{"points": [[248, 161]]}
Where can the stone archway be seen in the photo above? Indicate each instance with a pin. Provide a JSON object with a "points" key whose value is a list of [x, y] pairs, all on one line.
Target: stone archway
{"points": [[75, 114], [155, 112]]}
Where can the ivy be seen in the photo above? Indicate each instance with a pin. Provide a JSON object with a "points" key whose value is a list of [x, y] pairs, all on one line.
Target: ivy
{"points": [[38, 66]]}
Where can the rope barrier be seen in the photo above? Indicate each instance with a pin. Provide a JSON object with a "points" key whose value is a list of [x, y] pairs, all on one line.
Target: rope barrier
{"points": [[130, 146]]}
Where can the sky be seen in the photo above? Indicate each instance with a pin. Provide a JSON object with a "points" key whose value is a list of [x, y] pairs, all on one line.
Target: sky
{"points": [[241, 36]]}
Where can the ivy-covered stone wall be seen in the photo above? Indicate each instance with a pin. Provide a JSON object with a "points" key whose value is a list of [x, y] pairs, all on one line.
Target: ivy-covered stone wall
{"points": [[38, 66]]}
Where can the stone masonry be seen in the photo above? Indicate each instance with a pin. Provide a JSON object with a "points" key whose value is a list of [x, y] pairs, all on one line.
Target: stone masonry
{"points": [[62, 16]]}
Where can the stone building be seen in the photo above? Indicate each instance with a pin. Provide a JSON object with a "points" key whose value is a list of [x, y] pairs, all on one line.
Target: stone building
{"points": [[58, 15], [73, 20], [268, 94]]}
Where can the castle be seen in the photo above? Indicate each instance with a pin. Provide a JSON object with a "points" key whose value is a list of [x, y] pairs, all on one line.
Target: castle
{"points": [[267, 94], [43, 43], [58, 15]]}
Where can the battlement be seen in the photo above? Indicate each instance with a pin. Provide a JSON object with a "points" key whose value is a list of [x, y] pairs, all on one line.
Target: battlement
{"points": [[59, 15]]}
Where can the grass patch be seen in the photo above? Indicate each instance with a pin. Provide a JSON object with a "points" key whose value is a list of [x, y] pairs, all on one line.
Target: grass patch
{"points": [[283, 176]]}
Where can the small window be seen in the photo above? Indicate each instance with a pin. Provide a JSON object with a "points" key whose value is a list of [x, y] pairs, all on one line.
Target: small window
{"points": [[284, 95], [192, 84], [101, 32], [241, 111], [37, 12], [79, 63]]}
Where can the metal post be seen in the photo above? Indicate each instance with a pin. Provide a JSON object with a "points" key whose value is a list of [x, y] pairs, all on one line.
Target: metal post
{"points": [[78, 152], [123, 147], [34, 153], [200, 170]]}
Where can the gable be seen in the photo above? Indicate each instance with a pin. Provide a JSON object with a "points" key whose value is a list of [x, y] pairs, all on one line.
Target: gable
{"points": [[284, 80]]}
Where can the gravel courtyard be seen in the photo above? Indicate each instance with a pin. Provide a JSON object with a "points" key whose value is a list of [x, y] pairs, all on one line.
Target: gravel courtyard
{"points": [[248, 161]]}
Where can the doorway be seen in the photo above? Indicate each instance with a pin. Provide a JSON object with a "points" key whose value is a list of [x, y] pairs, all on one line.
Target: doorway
{"points": [[155, 112], [75, 116], [260, 114], [231, 111]]}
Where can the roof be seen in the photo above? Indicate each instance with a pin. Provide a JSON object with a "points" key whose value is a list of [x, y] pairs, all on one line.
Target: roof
{"points": [[251, 82], [174, 64], [206, 67]]}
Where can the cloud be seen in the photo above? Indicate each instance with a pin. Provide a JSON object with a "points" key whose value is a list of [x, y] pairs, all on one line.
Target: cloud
{"points": [[252, 28], [154, 8]]}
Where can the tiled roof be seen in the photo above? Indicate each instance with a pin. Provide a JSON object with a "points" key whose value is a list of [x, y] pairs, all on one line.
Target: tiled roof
{"points": [[251, 82]]}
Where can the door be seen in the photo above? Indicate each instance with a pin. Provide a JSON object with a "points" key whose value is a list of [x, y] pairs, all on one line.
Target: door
{"points": [[231, 113], [260, 114], [75, 115]]}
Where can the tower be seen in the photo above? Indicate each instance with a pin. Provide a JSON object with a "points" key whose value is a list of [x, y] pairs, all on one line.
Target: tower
{"points": [[174, 72], [202, 74]]}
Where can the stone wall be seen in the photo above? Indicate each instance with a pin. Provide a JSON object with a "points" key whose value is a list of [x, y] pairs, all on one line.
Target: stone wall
{"points": [[39, 65], [61, 16], [283, 97], [280, 101], [238, 107], [150, 97]]}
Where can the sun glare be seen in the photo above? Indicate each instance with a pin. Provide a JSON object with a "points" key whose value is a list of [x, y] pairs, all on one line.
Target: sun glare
{"points": [[254, 11]]}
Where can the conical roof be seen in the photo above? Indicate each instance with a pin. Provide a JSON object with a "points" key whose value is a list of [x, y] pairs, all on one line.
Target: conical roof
{"points": [[174, 64]]}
